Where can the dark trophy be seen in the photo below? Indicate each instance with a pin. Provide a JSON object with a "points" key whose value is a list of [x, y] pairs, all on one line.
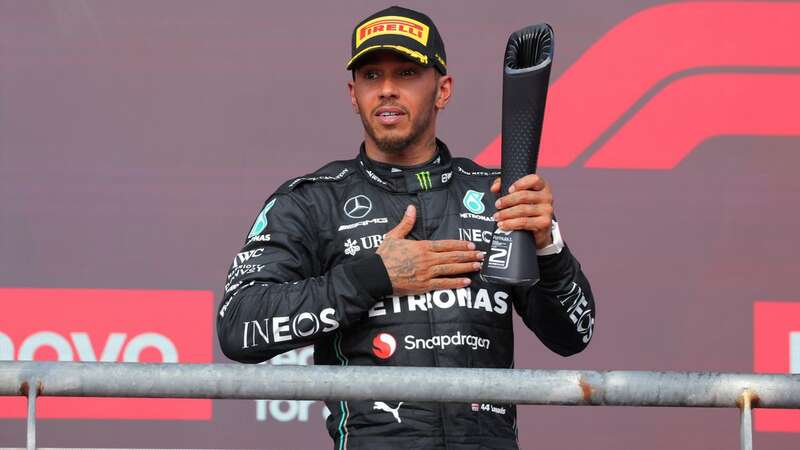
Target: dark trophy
{"points": [[526, 76]]}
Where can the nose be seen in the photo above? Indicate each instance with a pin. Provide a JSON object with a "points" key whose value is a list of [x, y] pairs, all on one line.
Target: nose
{"points": [[388, 88]]}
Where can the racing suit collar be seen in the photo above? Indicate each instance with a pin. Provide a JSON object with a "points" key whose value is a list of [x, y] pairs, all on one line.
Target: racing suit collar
{"points": [[430, 176]]}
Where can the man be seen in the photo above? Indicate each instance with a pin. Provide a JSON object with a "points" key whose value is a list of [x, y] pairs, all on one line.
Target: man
{"points": [[375, 260]]}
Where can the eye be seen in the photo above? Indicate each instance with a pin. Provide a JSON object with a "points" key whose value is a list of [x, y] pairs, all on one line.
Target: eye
{"points": [[408, 72], [370, 74]]}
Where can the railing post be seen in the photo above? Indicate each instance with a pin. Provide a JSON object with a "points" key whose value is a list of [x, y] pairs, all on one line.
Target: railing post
{"points": [[32, 393], [746, 430]]}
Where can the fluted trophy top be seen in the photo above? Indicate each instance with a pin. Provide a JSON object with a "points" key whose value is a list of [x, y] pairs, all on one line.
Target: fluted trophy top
{"points": [[529, 48]]}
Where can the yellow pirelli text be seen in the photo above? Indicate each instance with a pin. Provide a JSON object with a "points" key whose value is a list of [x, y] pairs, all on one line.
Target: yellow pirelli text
{"points": [[401, 26]]}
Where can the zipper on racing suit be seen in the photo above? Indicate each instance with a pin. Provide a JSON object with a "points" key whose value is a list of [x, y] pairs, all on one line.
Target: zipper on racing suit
{"points": [[425, 235]]}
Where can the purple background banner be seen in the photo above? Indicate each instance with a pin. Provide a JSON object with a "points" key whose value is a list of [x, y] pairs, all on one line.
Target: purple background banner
{"points": [[138, 139]]}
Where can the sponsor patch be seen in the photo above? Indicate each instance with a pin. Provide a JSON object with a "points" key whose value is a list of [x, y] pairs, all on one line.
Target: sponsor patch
{"points": [[358, 206], [481, 299], [288, 328], [475, 235], [336, 177], [576, 305], [488, 407], [351, 247], [363, 223], [243, 257], [245, 269], [476, 216], [107, 325], [395, 412], [447, 340], [384, 345], [424, 180], [478, 172], [473, 201], [261, 220], [260, 238], [397, 25]]}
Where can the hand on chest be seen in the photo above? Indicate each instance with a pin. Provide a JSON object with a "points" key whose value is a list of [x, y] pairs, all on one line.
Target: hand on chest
{"points": [[362, 219]]}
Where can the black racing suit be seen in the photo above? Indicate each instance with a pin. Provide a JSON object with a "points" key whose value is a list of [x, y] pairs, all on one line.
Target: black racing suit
{"points": [[308, 274]]}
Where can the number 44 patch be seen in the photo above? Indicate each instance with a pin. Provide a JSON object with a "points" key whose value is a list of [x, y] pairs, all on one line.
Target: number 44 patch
{"points": [[487, 407]]}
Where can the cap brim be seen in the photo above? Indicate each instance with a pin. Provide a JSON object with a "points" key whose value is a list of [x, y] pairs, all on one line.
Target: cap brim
{"points": [[411, 55]]}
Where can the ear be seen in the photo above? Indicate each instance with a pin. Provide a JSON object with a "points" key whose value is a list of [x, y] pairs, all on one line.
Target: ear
{"points": [[352, 90], [445, 88]]}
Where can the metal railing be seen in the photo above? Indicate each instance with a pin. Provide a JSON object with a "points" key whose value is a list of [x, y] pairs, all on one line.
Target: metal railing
{"points": [[520, 386]]}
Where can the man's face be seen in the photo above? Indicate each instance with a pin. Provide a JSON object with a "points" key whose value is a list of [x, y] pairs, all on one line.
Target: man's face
{"points": [[397, 100]]}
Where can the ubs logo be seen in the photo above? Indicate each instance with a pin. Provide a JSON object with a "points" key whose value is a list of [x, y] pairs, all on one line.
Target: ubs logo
{"points": [[358, 206]]}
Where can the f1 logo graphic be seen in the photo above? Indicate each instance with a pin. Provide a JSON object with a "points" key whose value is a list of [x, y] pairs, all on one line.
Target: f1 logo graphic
{"points": [[776, 349], [107, 325], [668, 91]]}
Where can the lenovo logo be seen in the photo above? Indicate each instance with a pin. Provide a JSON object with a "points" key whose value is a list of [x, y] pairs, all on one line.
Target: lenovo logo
{"points": [[105, 325], [44, 344]]}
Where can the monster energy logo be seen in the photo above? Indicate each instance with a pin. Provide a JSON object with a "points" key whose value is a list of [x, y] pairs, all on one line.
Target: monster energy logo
{"points": [[424, 179]]}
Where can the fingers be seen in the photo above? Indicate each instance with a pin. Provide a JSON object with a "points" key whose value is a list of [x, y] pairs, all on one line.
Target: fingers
{"points": [[406, 224], [495, 186], [523, 197], [531, 182], [526, 223], [457, 257], [524, 210], [445, 270], [450, 245], [447, 283]]}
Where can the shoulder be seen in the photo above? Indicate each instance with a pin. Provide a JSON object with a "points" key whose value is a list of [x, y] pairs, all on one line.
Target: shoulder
{"points": [[466, 167], [333, 172], [290, 202]]}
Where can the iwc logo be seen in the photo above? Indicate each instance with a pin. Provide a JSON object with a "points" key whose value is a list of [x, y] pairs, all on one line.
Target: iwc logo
{"points": [[473, 201], [358, 206]]}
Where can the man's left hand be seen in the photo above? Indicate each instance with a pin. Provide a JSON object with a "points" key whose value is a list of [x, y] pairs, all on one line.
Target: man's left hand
{"points": [[528, 206]]}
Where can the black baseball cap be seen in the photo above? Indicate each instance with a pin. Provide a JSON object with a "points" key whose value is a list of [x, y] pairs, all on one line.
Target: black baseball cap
{"points": [[404, 31]]}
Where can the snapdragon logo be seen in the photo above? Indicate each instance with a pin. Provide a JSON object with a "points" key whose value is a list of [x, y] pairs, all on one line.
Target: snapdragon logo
{"points": [[384, 345], [442, 342]]}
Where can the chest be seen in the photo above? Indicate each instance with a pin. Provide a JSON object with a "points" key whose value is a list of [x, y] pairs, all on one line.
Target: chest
{"points": [[357, 220]]}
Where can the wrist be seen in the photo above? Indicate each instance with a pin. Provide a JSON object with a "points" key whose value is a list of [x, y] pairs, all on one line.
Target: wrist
{"points": [[555, 245]]}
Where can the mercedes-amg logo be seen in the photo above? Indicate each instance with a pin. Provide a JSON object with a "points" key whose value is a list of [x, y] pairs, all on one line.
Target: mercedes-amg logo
{"points": [[358, 206]]}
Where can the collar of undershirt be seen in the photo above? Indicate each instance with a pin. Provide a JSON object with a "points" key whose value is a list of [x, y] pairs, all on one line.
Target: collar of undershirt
{"points": [[432, 175]]}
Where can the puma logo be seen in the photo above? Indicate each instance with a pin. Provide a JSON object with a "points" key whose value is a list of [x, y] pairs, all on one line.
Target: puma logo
{"points": [[385, 408]]}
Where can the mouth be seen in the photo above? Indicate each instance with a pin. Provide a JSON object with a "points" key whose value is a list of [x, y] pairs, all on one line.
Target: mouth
{"points": [[389, 115]]}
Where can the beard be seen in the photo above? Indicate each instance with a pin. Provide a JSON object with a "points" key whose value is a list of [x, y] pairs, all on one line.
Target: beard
{"points": [[393, 143]]}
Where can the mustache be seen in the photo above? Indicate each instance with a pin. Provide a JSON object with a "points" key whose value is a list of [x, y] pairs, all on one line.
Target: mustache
{"points": [[390, 104]]}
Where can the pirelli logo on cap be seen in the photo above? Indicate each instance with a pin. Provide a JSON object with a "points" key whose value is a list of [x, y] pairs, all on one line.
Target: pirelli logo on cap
{"points": [[401, 26]]}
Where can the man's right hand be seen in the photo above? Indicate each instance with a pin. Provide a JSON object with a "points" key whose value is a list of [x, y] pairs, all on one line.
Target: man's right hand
{"points": [[415, 267]]}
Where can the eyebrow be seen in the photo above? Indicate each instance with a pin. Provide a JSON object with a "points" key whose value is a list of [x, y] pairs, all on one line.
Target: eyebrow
{"points": [[402, 66]]}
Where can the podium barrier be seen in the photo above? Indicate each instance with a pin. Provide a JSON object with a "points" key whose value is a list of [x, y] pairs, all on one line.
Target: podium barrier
{"points": [[521, 386]]}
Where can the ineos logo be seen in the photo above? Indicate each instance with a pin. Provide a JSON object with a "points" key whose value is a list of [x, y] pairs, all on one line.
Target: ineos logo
{"points": [[308, 331], [358, 206]]}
